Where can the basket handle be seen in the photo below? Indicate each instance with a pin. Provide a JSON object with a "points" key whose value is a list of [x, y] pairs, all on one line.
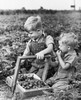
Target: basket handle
{"points": [[17, 68]]}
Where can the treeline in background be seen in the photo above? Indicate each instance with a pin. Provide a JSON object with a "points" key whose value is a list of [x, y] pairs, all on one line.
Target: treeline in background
{"points": [[41, 10]]}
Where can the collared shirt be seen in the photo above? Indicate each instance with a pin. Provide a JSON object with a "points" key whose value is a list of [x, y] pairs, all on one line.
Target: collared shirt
{"points": [[71, 58], [35, 46], [46, 39]]}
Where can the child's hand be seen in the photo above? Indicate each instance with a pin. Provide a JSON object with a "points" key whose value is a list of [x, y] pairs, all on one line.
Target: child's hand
{"points": [[58, 53], [39, 55], [22, 62]]}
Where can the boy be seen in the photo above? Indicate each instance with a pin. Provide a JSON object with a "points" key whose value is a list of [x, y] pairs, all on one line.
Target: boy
{"points": [[39, 44], [67, 58]]}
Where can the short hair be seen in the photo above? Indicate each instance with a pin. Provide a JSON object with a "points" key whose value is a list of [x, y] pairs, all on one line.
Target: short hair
{"points": [[33, 23], [69, 39]]}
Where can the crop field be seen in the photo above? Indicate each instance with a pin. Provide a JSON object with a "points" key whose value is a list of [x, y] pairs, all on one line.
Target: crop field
{"points": [[13, 38]]}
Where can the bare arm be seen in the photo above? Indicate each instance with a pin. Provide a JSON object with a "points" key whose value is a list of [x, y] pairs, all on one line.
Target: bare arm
{"points": [[62, 63], [49, 42], [26, 52], [41, 54], [48, 49]]}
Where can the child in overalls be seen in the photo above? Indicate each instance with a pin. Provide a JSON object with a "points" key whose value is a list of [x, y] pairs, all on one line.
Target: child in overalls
{"points": [[66, 61], [39, 44]]}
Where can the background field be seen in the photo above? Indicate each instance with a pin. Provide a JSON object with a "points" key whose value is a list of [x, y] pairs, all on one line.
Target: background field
{"points": [[13, 36]]}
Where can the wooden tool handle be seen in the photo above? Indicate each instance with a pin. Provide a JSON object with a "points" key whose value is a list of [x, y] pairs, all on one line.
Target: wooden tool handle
{"points": [[17, 68]]}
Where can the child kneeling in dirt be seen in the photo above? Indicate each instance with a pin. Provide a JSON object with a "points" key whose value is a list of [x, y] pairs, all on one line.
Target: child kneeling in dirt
{"points": [[66, 59], [39, 44]]}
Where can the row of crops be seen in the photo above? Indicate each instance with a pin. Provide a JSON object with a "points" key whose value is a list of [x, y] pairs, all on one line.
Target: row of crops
{"points": [[13, 38]]}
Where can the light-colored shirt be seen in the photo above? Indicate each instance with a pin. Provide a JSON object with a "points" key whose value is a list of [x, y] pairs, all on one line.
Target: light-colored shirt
{"points": [[71, 58]]}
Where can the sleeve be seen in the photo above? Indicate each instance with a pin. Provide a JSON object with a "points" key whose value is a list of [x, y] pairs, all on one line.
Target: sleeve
{"points": [[27, 50], [49, 40], [71, 59]]}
